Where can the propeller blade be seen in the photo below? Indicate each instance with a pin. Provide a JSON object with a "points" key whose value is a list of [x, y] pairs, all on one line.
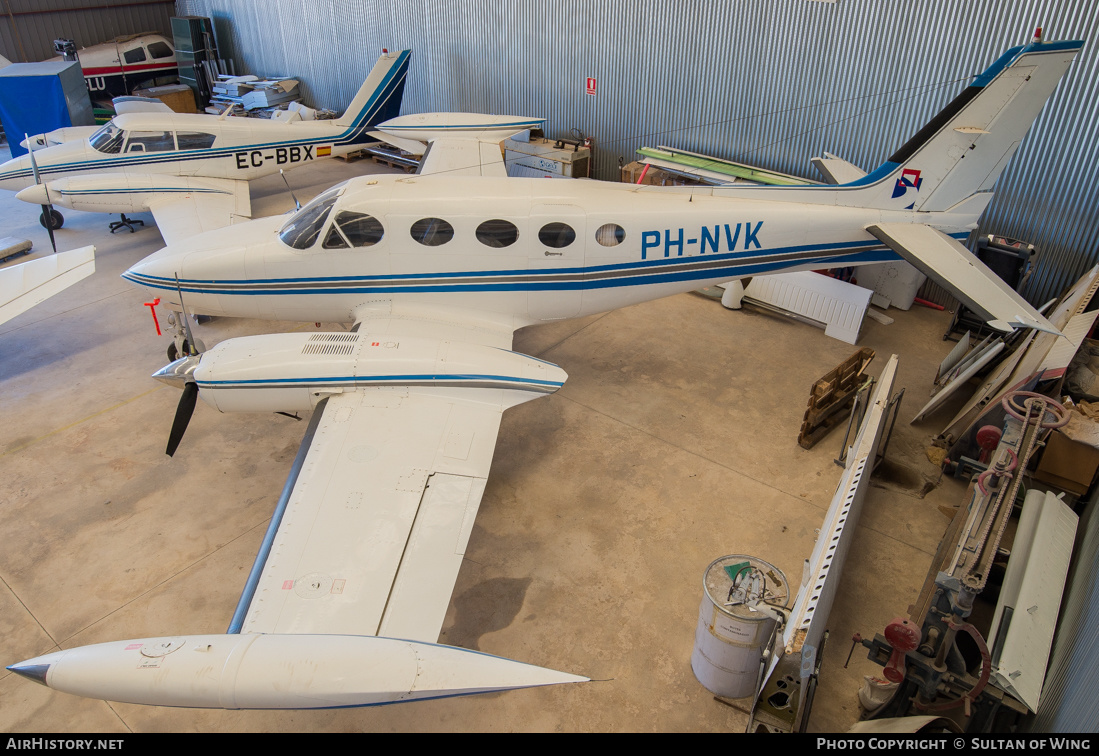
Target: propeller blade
{"points": [[183, 417], [47, 209], [34, 163]]}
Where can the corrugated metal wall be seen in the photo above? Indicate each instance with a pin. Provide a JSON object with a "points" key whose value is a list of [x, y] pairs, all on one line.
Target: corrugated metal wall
{"points": [[29, 27], [771, 82]]}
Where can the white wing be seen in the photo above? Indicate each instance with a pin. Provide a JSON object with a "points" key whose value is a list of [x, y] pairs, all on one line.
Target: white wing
{"points": [[373, 534], [204, 206]]}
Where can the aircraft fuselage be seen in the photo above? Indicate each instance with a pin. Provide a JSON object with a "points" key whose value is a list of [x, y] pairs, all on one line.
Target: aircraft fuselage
{"points": [[237, 148], [628, 244]]}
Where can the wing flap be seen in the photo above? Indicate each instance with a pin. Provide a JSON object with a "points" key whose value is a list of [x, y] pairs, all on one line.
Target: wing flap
{"points": [[429, 567], [211, 204], [962, 274], [373, 534]]}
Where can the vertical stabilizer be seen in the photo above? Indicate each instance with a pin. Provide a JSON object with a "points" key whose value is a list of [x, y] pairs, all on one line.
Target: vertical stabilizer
{"points": [[964, 149], [379, 98]]}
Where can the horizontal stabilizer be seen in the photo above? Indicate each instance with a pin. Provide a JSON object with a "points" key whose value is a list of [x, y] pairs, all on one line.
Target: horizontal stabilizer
{"points": [[956, 269], [836, 170]]}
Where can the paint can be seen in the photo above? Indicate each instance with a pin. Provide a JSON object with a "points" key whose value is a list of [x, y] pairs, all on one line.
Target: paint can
{"points": [[731, 635]]}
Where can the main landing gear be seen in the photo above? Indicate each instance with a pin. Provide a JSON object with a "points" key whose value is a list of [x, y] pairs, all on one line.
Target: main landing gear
{"points": [[55, 220]]}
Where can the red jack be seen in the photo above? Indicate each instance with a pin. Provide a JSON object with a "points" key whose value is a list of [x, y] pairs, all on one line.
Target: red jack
{"points": [[152, 308]]}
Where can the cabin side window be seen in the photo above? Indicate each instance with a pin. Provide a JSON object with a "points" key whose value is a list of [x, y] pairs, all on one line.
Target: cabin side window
{"points": [[137, 55], [497, 233], [108, 139], [194, 140], [355, 230], [150, 141], [610, 235], [432, 232], [160, 50], [556, 235]]}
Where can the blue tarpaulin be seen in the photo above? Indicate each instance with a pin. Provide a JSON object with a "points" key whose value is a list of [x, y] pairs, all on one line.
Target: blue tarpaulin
{"points": [[39, 97]]}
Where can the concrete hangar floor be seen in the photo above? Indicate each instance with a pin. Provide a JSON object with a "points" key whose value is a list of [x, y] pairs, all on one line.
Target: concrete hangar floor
{"points": [[672, 443]]}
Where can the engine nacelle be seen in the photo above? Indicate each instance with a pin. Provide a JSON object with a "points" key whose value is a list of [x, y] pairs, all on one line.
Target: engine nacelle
{"points": [[293, 371], [123, 192]]}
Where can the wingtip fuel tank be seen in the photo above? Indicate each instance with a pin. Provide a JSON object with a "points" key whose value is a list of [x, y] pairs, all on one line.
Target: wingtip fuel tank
{"points": [[254, 671]]}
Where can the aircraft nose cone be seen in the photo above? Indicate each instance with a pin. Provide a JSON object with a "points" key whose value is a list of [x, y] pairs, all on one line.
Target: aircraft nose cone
{"points": [[158, 270], [33, 669], [36, 195]]}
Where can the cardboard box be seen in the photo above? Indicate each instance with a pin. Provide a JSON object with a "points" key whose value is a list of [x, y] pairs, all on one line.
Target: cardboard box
{"points": [[178, 97], [1067, 464]]}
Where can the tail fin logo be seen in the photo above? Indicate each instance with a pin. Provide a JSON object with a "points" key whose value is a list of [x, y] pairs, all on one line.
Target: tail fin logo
{"points": [[909, 179]]}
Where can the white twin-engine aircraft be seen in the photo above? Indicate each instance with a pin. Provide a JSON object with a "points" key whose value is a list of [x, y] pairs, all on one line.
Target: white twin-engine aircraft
{"points": [[437, 272], [191, 171]]}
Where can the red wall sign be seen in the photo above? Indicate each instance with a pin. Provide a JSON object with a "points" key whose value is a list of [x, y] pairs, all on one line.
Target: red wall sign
{"points": [[591, 85]]}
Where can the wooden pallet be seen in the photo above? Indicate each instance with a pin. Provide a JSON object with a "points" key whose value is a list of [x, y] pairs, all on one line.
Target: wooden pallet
{"points": [[351, 157], [831, 397], [393, 164]]}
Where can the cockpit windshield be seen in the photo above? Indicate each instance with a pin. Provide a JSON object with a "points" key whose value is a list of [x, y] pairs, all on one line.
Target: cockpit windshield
{"points": [[108, 139], [301, 231]]}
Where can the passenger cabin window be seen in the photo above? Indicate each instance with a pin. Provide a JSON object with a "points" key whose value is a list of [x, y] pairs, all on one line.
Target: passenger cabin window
{"points": [[194, 140], [137, 55], [150, 141], [304, 226], [610, 235], [108, 139], [556, 235], [497, 233], [354, 229], [432, 232], [160, 50]]}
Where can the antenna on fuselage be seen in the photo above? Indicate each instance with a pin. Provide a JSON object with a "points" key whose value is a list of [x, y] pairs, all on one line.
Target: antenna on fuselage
{"points": [[225, 112], [297, 205]]}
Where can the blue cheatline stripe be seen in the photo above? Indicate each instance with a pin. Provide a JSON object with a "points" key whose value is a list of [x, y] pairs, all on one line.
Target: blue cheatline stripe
{"points": [[367, 380], [655, 263], [846, 253], [157, 190], [363, 121], [878, 174], [879, 253]]}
